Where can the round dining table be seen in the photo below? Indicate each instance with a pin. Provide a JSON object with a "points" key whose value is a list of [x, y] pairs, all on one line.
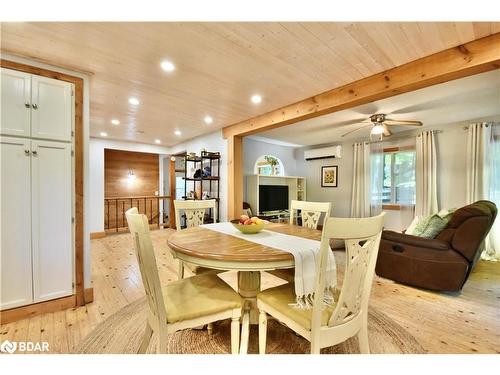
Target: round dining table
{"points": [[211, 249]]}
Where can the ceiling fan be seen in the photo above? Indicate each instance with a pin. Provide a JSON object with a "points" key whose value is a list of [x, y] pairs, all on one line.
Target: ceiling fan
{"points": [[379, 125]]}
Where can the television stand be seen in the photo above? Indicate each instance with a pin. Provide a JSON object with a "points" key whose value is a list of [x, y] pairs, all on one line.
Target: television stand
{"points": [[276, 216]]}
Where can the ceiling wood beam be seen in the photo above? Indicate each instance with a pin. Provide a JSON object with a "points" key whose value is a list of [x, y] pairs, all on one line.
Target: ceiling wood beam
{"points": [[471, 58]]}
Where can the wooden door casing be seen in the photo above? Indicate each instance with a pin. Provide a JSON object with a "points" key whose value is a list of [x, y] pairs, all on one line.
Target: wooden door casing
{"points": [[81, 295]]}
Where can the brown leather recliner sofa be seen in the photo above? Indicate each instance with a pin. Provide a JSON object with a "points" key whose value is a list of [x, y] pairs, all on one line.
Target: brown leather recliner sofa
{"points": [[443, 263]]}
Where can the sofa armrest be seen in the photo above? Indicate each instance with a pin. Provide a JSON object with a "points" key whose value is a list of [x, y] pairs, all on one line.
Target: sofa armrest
{"points": [[408, 239]]}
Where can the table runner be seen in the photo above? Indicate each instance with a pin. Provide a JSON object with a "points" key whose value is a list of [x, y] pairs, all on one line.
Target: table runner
{"points": [[305, 253]]}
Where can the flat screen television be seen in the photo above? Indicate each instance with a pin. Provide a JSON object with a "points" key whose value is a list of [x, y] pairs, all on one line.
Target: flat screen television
{"points": [[273, 198]]}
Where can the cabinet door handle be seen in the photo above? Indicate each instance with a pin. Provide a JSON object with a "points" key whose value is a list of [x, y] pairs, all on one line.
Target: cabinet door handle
{"points": [[35, 153], [26, 152], [35, 106], [27, 105]]}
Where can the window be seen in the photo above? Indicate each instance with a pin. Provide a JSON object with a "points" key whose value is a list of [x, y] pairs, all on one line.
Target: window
{"points": [[269, 165], [179, 187], [399, 177]]}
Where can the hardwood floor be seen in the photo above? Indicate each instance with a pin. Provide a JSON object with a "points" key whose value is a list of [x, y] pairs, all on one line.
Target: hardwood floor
{"points": [[442, 323]]}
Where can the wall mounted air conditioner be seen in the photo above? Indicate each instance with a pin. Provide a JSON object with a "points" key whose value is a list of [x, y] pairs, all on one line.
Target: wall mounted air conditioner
{"points": [[323, 153]]}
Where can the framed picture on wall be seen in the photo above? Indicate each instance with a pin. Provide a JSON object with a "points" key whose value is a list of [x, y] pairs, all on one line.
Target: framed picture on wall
{"points": [[329, 176]]}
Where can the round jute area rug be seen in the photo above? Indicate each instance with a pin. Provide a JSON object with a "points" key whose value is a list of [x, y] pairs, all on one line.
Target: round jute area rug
{"points": [[122, 332]]}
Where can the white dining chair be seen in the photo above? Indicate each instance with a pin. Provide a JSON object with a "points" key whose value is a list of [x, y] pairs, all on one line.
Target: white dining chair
{"points": [[182, 304], [312, 214], [325, 326], [194, 211]]}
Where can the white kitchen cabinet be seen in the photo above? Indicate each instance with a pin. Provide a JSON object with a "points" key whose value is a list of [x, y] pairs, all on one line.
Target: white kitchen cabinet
{"points": [[51, 214], [51, 102], [15, 102], [37, 190], [35, 106], [15, 230]]}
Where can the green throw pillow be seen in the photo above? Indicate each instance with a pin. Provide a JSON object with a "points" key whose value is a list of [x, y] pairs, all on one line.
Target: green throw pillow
{"points": [[430, 226], [420, 226], [435, 225]]}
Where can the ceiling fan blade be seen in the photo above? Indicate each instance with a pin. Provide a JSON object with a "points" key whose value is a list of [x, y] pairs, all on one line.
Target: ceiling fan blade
{"points": [[357, 129], [350, 122], [368, 109], [387, 132], [340, 124], [403, 122]]}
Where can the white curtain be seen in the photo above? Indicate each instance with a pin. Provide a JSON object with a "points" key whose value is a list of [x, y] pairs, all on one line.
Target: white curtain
{"points": [[483, 176], [376, 177], [360, 198], [478, 156], [492, 251], [407, 204], [426, 174], [368, 175]]}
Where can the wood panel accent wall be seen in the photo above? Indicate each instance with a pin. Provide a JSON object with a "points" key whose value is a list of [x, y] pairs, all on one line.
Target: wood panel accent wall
{"points": [[145, 166], [118, 163]]}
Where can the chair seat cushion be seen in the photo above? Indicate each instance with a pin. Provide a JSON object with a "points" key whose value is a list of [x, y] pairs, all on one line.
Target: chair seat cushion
{"points": [[281, 297], [198, 296]]}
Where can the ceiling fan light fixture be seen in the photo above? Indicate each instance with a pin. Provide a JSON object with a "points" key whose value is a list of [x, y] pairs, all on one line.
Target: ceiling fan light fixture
{"points": [[377, 129]]}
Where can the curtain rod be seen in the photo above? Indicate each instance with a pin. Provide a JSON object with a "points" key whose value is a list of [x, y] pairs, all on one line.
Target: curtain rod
{"points": [[485, 125]]}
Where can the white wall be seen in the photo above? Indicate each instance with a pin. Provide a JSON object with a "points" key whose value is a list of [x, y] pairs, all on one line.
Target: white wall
{"points": [[96, 176], [451, 156], [211, 142], [253, 149], [85, 122], [339, 196], [451, 151]]}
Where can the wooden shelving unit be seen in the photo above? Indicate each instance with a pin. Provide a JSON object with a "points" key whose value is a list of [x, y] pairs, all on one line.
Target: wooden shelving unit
{"points": [[209, 184]]}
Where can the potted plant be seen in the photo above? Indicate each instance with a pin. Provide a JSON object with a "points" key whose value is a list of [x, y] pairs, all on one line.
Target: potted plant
{"points": [[273, 162]]}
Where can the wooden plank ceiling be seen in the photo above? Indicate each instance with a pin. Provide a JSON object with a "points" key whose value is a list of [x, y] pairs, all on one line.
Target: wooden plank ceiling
{"points": [[219, 66]]}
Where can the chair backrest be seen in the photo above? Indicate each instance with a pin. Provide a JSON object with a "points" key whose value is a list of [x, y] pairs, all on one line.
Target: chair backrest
{"points": [[247, 210], [310, 212], [362, 240], [194, 211], [139, 227]]}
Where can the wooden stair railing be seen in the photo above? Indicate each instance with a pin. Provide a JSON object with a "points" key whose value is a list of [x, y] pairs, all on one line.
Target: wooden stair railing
{"points": [[115, 208]]}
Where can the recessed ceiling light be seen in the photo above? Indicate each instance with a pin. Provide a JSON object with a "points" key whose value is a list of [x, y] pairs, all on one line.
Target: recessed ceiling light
{"points": [[133, 101], [256, 99], [157, 141], [208, 120], [115, 121], [167, 66], [177, 132], [103, 134]]}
